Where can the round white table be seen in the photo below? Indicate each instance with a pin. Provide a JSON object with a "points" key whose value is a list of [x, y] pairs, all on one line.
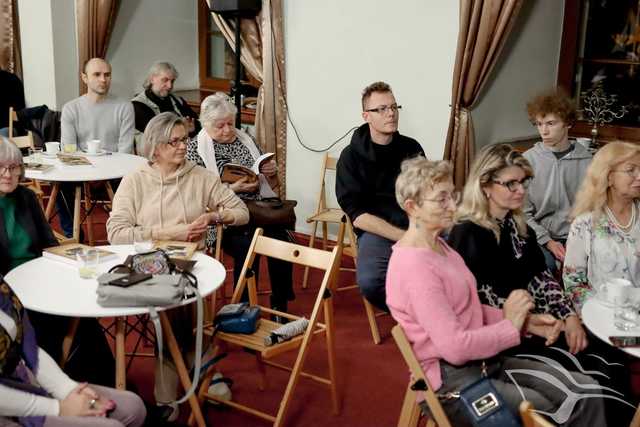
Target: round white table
{"points": [[599, 319], [102, 169], [53, 287]]}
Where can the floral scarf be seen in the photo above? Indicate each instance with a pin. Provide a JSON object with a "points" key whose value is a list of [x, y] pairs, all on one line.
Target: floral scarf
{"points": [[16, 355]]}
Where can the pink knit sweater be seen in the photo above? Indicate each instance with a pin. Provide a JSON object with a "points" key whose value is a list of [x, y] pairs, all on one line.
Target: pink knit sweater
{"points": [[435, 301]]}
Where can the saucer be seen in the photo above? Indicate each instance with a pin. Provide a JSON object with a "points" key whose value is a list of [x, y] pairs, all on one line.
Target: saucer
{"points": [[49, 155], [99, 153]]}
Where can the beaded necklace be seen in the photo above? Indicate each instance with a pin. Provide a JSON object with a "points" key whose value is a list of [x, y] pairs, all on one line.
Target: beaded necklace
{"points": [[613, 219]]}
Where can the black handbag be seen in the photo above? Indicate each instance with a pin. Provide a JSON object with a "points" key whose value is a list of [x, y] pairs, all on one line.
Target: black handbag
{"points": [[272, 211], [484, 405]]}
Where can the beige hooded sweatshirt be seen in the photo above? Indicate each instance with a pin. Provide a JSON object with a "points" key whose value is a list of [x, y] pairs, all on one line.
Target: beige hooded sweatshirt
{"points": [[148, 206]]}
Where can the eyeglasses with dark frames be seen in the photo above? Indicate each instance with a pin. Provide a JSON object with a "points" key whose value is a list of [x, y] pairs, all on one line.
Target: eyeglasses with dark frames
{"points": [[384, 108], [512, 185], [12, 169]]}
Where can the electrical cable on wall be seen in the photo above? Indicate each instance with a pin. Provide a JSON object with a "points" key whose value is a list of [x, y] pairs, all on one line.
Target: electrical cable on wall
{"points": [[274, 59]]}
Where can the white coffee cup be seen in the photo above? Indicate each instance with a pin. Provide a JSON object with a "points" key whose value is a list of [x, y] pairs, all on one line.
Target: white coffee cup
{"points": [[616, 290], [93, 146], [52, 147]]}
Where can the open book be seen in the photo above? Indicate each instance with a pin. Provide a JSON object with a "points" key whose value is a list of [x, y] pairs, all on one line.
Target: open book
{"points": [[73, 160], [37, 167], [174, 249], [232, 172], [67, 253]]}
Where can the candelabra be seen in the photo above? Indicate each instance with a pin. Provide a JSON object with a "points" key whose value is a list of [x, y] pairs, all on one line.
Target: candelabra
{"points": [[598, 109]]}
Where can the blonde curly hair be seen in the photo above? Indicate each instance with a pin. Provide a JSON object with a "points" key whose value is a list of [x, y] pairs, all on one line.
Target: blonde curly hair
{"points": [[592, 195]]}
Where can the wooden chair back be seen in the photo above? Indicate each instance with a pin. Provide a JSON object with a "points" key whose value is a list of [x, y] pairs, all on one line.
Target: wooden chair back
{"points": [[419, 382], [530, 418], [20, 141]]}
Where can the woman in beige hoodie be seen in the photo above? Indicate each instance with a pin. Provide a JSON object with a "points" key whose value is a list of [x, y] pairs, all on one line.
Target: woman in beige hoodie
{"points": [[171, 199]]}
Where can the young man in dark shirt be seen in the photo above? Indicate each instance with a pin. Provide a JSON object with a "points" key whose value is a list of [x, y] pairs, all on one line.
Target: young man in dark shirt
{"points": [[365, 187]]}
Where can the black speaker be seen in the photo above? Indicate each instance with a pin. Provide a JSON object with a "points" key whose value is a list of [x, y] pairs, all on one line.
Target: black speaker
{"points": [[236, 7]]}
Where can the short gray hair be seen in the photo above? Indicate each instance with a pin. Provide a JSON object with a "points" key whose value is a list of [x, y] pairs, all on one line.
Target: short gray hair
{"points": [[158, 68], [419, 175], [10, 154], [216, 107], [158, 131]]}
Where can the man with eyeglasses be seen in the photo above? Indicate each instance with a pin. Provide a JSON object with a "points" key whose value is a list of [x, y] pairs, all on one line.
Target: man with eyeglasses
{"points": [[559, 165], [365, 187]]}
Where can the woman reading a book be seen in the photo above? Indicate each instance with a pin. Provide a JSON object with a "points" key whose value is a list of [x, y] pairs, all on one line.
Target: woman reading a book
{"points": [[170, 198], [53, 399], [24, 233], [219, 147]]}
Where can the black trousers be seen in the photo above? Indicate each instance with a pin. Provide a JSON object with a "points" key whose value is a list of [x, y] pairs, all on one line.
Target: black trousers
{"points": [[236, 242]]}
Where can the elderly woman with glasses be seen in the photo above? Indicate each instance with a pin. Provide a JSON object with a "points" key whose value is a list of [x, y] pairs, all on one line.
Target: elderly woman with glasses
{"points": [[171, 198], [603, 239], [218, 144], [498, 246], [24, 233], [432, 295]]}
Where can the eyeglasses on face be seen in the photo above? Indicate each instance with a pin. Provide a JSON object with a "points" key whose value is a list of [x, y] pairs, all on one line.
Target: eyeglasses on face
{"points": [[174, 142], [632, 171], [384, 108], [444, 200], [512, 185], [12, 169]]}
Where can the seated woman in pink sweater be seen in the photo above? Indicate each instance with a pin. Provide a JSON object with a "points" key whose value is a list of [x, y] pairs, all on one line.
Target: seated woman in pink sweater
{"points": [[432, 295]]}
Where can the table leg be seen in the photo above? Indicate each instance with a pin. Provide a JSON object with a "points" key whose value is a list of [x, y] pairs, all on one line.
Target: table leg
{"points": [[183, 373], [121, 375], [51, 204], [68, 341], [76, 214], [88, 210], [107, 184]]}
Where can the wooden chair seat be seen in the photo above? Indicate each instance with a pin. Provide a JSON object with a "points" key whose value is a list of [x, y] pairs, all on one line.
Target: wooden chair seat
{"points": [[325, 215], [300, 255], [331, 215]]}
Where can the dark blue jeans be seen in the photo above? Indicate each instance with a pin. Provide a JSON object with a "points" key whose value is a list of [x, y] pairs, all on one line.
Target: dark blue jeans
{"points": [[373, 259]]}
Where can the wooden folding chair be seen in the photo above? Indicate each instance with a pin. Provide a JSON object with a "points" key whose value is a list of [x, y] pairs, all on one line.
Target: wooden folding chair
{"points": [[530, 418], [325, 215], [20, 141], [297, 254], [419, 384]]}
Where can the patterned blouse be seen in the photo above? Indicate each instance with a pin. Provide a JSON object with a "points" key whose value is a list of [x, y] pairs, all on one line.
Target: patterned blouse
{"points": [[514, 262], [598, 252]]}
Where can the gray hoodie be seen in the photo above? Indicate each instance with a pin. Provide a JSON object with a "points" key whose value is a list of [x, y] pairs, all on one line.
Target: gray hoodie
{"points": [[553, 189]]}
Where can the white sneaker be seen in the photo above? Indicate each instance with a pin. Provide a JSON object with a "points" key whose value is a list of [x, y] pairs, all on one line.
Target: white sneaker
{"points": [[220, 390]]}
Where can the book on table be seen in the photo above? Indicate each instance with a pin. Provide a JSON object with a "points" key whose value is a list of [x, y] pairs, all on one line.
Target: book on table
{"points": [[37, 167], [232, 172], [67, 253], [175, 249], [73, 160]]}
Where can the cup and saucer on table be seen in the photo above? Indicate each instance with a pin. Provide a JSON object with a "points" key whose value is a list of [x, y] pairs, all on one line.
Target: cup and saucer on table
{"points": [[52, 148], [93, 148]]}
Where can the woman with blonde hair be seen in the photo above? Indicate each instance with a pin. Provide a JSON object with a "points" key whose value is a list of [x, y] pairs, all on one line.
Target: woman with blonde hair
{"points": [[604, 235], [433, 297], [498, 246]]}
